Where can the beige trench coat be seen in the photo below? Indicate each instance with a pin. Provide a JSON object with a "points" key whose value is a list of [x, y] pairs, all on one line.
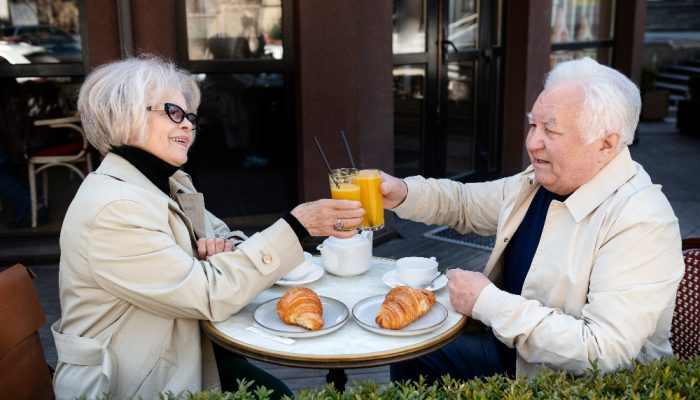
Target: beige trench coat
{"points": [[132, 290], [602, 283]]}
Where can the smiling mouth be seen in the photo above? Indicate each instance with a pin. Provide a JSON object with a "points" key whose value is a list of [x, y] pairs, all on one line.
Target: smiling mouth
{"points": [[181, 141]]}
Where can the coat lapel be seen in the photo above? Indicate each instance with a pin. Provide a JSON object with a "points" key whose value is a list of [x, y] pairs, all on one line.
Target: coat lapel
{"points": [[118, 168]]}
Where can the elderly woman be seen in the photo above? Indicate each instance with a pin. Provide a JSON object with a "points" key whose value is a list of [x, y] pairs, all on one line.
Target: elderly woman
{"points": [[142, 261]]}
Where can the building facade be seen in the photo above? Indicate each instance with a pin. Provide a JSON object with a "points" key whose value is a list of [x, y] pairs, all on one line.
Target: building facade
{"points": [[432, 87]]}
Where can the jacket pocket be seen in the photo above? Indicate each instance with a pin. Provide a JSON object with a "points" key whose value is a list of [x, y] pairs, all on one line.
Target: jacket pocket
{"points": [[85, 366], [156, 379]]}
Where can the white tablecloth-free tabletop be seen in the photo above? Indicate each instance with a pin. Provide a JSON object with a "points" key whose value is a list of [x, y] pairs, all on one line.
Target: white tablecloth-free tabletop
{"points": [[351, 346]]}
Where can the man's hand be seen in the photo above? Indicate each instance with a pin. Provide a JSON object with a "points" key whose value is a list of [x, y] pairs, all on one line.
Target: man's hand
{"points": [[394, 191], [207, 247], [465, 287]]}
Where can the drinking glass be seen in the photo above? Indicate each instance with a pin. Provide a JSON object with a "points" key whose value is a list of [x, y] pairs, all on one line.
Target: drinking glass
{"points": [[343, 187], [369, 180]]}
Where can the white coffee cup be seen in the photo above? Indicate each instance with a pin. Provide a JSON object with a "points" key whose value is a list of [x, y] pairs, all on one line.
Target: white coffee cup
{"points": [[416, 271], [301, 270]]}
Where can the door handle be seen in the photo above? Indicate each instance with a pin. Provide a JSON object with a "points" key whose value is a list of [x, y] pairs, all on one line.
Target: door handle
{"points": [[446, 43]]}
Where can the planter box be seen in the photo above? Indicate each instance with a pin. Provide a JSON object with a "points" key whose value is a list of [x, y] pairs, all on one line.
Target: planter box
{"points": [[655, 105], [688, 118]]}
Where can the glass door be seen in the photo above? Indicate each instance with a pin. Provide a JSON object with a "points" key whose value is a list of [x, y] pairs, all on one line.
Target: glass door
{"points": [[446, 72]]}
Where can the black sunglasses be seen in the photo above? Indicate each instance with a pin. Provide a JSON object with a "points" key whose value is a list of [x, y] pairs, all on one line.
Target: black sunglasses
{"points": [[176, 113]]}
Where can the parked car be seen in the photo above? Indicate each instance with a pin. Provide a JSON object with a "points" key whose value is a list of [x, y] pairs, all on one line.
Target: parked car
{"points": [[58, 44], [19, 53]]}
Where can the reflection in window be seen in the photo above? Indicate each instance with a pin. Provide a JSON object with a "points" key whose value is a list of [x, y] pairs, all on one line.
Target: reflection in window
{"points": [[409, 92], [460, 118], [581, 21], [409, 26], [601, 54], [40, 32], [464, 23], [234, 29]]}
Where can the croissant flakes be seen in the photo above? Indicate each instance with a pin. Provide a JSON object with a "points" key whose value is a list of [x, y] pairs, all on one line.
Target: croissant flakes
{"points": [[301, 306], [403, 305]]}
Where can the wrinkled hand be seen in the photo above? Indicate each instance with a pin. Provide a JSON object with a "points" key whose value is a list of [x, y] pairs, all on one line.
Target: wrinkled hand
{"points": [[465, 287], [318, 217], [394, 191], [207, 247]]}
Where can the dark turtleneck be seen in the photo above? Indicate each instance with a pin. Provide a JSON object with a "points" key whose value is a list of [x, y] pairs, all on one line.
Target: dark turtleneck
{"points": [[158, 172]]}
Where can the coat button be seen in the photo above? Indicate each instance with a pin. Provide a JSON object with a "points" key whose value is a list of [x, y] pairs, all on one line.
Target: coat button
{"points": [[505, 240], [266, 259]]}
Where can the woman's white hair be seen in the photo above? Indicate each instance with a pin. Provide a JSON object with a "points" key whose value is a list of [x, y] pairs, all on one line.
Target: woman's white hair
{"points": [[113, 99], [611, 101]]}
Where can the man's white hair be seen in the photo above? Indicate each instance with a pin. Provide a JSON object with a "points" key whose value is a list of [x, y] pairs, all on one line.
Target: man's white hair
{"points": [[113, 99], [611, 101]]}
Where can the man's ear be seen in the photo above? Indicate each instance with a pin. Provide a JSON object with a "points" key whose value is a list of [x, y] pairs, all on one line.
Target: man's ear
{"points": [[609, 145]]}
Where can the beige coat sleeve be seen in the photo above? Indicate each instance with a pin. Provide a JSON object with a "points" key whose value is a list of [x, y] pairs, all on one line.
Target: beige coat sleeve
{"points": [[135, 257], [466, 207]]}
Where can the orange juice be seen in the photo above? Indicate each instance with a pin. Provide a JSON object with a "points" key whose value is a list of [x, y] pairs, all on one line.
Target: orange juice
{"points": [[342, 187], [346, 191], [371, 198]]}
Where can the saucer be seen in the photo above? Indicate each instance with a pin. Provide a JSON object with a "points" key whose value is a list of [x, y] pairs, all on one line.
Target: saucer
{"points": [[313, 275], [392, 280]]}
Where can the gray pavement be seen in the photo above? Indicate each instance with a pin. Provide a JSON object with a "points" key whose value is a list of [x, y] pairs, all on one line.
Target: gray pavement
{"points": [[672, 160]]}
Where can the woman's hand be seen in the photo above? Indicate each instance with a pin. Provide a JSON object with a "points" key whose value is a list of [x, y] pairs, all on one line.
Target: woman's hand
{"points": [[321, 216], [207, 247], [394, 191]]}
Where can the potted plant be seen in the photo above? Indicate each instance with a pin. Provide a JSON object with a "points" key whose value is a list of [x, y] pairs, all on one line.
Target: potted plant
{"points": [[688, 117], [654, 100]]}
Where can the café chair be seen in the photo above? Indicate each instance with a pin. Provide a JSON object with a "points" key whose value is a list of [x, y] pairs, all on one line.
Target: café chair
{"points": [[24, 373], [685, 327], [67, 155]]}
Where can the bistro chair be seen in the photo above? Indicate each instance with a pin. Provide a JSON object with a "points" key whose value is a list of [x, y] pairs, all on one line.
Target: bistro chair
{"points": [[685, 328], [67, 155], [24, 373]]}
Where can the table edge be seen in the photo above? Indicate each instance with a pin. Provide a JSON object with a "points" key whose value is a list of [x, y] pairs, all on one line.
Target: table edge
{"points": [[335, 361]]}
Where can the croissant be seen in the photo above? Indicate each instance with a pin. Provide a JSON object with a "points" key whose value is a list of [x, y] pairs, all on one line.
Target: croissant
{"points": [[301, 306], [403, 305]]}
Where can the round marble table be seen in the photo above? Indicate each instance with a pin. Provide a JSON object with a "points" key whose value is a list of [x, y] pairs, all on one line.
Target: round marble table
{"points": [[351, 346]]}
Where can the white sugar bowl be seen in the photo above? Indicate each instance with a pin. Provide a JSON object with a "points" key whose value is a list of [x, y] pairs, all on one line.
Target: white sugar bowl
{"points": [[347, 257]]}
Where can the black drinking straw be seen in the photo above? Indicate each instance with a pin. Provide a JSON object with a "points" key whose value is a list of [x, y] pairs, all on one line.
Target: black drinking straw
{"points": [[347, 148], [325, 160]]}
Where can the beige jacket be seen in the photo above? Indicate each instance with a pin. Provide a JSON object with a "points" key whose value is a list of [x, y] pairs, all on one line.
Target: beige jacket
{"points": [[132, 290], [603, 280]]}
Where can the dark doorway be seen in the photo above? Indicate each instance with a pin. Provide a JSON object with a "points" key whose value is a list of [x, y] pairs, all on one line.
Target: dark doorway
{"points": [[447, 63]]}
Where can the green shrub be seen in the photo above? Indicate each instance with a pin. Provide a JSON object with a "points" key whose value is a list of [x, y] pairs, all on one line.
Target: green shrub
{"points": [[668, 378]]}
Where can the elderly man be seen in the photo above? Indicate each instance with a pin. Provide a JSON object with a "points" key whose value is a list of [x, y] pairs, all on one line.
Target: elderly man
{"points": [[588, 251]]}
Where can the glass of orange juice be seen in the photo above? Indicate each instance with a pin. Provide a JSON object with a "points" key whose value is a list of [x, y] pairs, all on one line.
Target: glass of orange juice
{"points": [[369, 180], [343, 187]]}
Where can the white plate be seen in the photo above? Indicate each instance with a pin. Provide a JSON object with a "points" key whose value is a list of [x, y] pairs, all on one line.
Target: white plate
{"points": [[392, 280], [335, 315], [313, 275], [366, 310]]}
